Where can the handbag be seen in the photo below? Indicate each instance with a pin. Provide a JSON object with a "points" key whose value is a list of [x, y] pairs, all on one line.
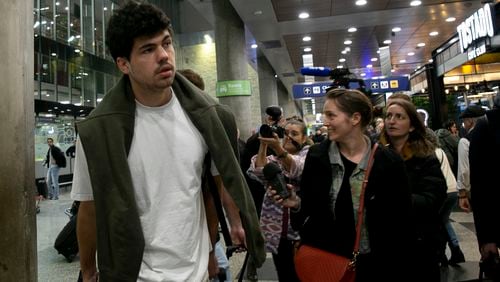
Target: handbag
{"points": [[316, 265]]}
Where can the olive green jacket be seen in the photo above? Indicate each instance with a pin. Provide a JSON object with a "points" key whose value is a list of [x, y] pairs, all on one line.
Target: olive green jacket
{"points": [[106, 136]]}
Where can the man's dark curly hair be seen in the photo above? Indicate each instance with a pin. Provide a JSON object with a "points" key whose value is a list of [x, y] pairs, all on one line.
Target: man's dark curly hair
{"points": [[133, 20]]}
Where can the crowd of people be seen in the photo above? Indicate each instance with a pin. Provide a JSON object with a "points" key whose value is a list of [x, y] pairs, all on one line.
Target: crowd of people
{"points": [[152, 160]]}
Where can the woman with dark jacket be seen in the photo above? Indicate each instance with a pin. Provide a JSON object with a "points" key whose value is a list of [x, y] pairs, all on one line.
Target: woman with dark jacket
{"points": [[405, 133], [326, 206]]}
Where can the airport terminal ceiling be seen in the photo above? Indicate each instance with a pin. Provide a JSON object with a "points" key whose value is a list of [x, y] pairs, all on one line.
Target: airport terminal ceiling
{"points": [[279, 32]]}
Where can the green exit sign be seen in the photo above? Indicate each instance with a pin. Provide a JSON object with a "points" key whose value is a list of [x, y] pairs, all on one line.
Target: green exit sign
{"points": [[233, 88]]}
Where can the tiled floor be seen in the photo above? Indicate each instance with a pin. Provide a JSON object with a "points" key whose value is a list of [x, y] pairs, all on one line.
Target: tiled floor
{"points": [[54, 267]]}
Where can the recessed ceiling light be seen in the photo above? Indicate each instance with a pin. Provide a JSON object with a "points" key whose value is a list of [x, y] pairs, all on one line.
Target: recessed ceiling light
{"points": [[348, 49], [411, 53], [340, 67], [374, 59], [254, 46], [402, 61], [378, 51], [396, 29], [362, 74], [450, 19], [344, 52], [306, 38], [388, 41], [433, 33], [415, 3], [352, 29], [431, 60], [421, 44], [341, 60], [307, 49], [257, 13], [361, 2], [303, 15], [348, 42], [369, 66]]}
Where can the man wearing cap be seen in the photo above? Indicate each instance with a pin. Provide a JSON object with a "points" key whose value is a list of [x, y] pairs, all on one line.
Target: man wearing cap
{"points": [[470, 117]]}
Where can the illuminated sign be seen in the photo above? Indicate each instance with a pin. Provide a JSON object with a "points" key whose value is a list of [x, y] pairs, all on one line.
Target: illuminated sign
{"points": [[477, 26], [476, 51]]}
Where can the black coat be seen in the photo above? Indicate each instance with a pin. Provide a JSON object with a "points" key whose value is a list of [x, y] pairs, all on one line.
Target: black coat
{"points": [[387, 205], [484, 155], [58, 156]]}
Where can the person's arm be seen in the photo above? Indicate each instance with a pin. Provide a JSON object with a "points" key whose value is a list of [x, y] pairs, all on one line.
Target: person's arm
{"points": [[87, 235], [213, 222], [463, 182], [232, 214]]}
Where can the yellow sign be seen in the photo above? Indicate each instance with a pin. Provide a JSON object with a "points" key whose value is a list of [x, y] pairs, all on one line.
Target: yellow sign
{"points": [[394, 84]]}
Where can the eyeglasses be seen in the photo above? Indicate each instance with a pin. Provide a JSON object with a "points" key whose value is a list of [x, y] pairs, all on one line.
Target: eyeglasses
{"points": [[397, 117]]}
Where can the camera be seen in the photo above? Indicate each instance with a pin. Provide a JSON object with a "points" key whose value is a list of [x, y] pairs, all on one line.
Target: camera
{"points": [[267, 130], [342, 78]]}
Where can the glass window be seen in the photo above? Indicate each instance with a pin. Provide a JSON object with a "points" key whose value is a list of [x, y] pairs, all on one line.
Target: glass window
{"points": [[99, 86], [47, 18], [88, 82], [61, 20], [88, 26], [75, 24]]}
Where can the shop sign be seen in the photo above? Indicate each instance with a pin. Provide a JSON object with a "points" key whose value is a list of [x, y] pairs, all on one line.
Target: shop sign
{"points": [[476, 51], [233, 88], [475, 27]]}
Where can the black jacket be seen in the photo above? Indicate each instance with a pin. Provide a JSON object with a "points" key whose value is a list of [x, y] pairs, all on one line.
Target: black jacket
{"points": [[484, 153], [387, 206], [58, 156]]}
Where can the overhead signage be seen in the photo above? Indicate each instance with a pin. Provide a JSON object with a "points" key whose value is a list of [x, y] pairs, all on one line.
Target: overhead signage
{"points": [[388, 84], [476, 51], [380, 85], [477, 26], [233, 88], [310, 90]]}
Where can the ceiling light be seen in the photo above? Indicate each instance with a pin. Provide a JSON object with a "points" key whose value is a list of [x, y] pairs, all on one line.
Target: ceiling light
{"points": [[415, 3], [348, 42], [341, 60], [402, 61], [421, 44], [374, 59], [411, 53], [433, 33], [450, 19], [257, 13], [396, 29], [340, 67], [254, 46], [431, 60], [362, 74], [306, 38], [361, 2], [378, 51], [307, 49], [388, 41], [344, 52], [393, 70], [348, 49], [369, 66], [352, 29], [53, 54], [208, 38], [303, 15]]}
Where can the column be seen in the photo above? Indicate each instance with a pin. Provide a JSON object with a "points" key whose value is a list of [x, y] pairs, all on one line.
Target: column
{"points": [[437, 97], [18, 257], [286, 101], [231, 60], [267, 83]]}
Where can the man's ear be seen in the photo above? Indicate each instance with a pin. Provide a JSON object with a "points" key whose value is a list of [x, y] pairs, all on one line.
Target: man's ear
{"points": [[123, 65]]}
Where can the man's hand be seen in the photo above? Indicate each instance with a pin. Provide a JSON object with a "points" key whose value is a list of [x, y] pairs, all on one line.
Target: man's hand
{"points": [[90, 278], [463, 200], [488, 250], [213, 266]]}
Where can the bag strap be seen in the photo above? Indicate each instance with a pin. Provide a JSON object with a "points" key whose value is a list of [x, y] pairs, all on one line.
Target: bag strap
{"points": [[218, 203], [362, 200]]}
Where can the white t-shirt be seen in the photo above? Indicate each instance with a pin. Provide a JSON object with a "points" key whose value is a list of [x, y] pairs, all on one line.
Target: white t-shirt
{"points": [[166, 161]]}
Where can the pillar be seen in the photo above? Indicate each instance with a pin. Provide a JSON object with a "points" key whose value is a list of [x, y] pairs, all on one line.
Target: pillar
{"points": [[18, 249], [231, 60], [267, 83]]}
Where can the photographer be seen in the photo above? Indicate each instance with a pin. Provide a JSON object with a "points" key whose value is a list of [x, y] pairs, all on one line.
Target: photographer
{"points": [[288, 158], [274, 117]]}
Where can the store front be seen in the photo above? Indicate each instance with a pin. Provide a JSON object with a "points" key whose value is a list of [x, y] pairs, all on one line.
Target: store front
{"points": [[467, 66]]}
